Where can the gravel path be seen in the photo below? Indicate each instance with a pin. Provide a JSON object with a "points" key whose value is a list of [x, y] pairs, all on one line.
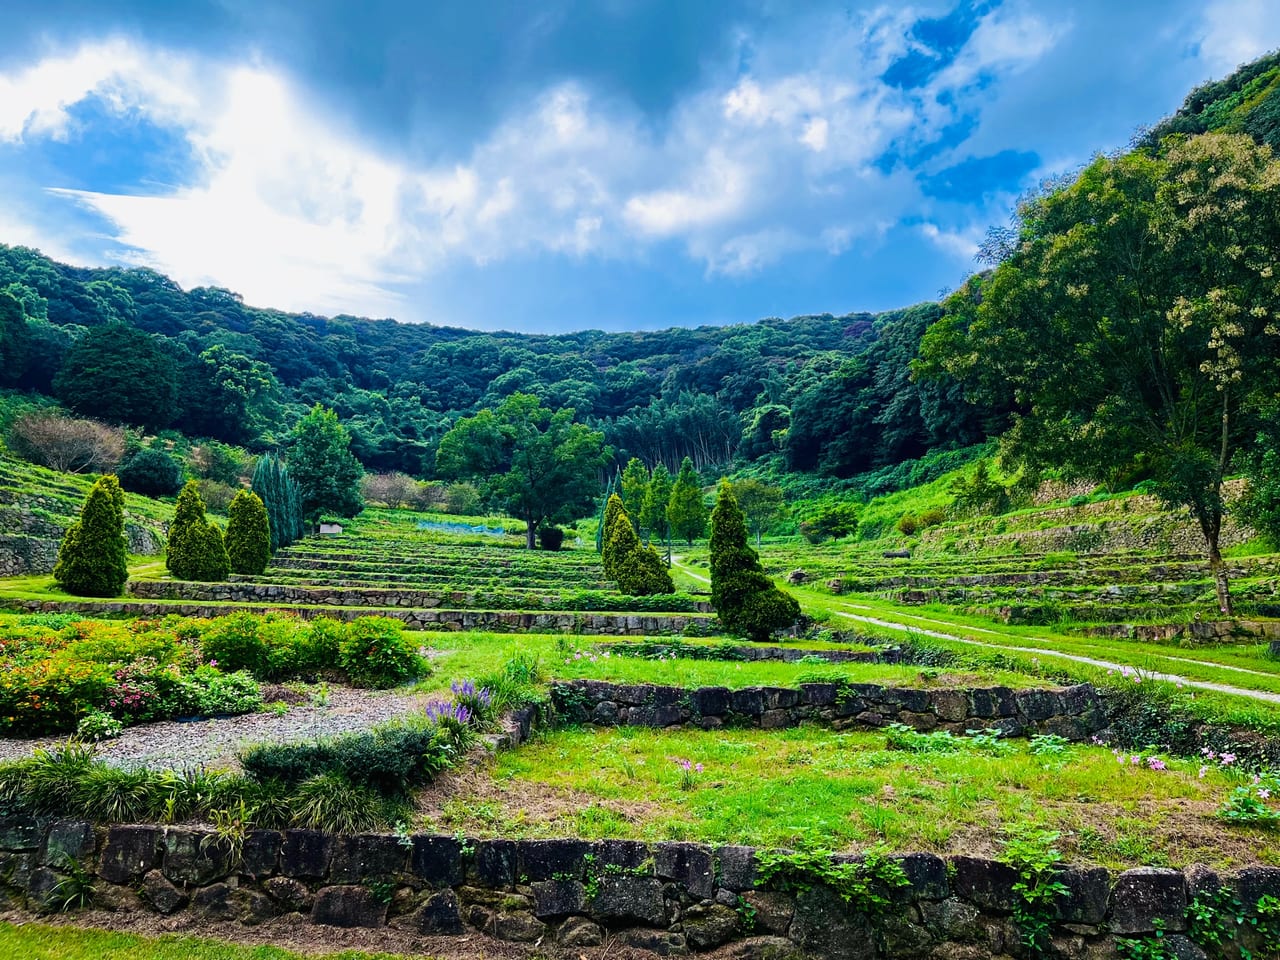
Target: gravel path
{"points": [[214, 743]]}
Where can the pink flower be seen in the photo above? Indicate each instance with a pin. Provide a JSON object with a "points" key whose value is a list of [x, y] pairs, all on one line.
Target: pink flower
{"points": [[1155, 763], [1227, 759], [1203, 771], [1264, 793], [698, 767]]}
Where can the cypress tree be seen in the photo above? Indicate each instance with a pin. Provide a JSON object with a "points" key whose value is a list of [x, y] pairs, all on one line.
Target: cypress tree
{"points": [[92, 561], [687, 511], [635, 480], [637, 569], [248, 533], [195, 550], [282, 498], [653, 515], [609, 553], [744, 598]]}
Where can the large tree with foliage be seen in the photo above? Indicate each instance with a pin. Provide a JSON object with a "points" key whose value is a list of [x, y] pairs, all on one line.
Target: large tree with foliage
{"points": [[119, 374], [322, 464], [687, 510], [92, 560], [538, 465], [1135, 319], [15, 340], [744, 598], [762, 503]]}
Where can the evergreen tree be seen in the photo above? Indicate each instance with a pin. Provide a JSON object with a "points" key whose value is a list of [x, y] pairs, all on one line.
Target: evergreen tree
{"points": [[653, 514], [15, 340], [150, 472], [92, 561], [248, 533], [635, 481], [282, 498], [195, 550], [608, 552], [744, 598], [687, 510], [322, 464], [637, 569]]}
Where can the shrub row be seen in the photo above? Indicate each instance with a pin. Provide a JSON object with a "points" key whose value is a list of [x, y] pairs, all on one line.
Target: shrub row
{"points": [[56, 671]]}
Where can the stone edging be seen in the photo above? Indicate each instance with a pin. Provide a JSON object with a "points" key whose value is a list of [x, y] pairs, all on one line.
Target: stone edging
{"points": [[1076, 713], [667, 897]]}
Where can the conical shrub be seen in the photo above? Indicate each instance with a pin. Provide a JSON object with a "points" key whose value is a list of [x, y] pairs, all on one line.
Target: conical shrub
{"points": [[92, 559], [744, 598], [195, 549], [248, 534], [637, 569]]}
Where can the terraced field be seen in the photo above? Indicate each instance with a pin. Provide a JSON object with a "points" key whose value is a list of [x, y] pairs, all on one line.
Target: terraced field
{"points": [[913, 716]]}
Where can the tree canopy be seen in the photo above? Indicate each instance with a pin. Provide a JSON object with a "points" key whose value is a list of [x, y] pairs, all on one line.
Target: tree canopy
{"points": [[536, 464], [321, 463], [1136, 320]]}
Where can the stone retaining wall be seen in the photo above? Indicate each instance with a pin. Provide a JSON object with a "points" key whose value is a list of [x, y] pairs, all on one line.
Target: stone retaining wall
{"points": [[1205, 630], [603, 624], [1076, 713], [240, 592], [670, 898], [754, 653]]}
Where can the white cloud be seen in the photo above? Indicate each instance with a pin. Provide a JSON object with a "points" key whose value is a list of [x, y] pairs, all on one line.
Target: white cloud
{"points": [[960, 244], [1236, 31], [293, 210]]}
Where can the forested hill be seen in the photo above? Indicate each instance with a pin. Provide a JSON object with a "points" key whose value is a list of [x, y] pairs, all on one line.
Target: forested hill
{"points": [[1247, 101], [213, 366]]}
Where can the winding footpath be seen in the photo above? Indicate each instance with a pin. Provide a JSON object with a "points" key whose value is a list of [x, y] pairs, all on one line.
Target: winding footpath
{"points": [[1260, 695]]}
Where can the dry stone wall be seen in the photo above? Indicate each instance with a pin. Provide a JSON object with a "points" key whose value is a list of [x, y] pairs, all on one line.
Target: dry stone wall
{"points": [[670, 898], [1076, 713]]}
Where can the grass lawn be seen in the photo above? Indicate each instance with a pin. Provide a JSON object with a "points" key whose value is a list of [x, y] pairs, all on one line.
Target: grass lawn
{"points": [[40, 942], [472, 655], [845, 791]]}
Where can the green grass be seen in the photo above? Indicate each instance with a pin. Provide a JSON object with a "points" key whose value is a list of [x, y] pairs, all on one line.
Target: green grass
{"points": [[470, 655], [847, 790], [37, 941]]}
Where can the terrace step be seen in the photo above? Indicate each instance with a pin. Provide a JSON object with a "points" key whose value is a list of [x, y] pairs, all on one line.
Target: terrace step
{"points": [[240, 592]]}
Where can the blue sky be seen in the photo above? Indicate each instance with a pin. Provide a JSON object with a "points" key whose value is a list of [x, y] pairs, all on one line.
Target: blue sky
{"points": [[571, 164]]}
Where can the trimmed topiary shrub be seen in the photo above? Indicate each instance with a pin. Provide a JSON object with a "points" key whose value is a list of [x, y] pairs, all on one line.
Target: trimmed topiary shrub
{"points": [[248, 534], [637, 569], [375, 653], [92, 561], [744, 598], [551, 538], [151, 472], [608, 551], [195, 550]]}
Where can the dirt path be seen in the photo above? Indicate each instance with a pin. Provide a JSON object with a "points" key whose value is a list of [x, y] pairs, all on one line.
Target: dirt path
{"points": [[1261, 695]]}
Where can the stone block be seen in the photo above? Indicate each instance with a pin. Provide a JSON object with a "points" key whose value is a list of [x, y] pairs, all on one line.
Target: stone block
{"points": [[825, 926], [579, 932], [261, 854], [927, 874], [629, 855], [1088, 890], [551, 859], [515, 927], [305, 854], [1144, 895], [629, 899], [19, 834], [736, 867], [289, 893], [773, 911], [819, 694], [992, 702], [494, 864], [213, 902], [558, 898], [1254, 883], [437, 860], [710, 701], [951, 706], [348, 906], [780, 698], [68, 840], [442, 913], [688, 864], [749, 701], [660, 942], [194, 858], [707, 927], [986, 883], [370, 856], [1038, 704], [161, 895], [129, 853]]}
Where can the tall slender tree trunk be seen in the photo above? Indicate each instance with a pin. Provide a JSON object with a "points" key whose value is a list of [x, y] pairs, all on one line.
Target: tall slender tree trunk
{"points": [[1211, 527], [531, 534]]}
